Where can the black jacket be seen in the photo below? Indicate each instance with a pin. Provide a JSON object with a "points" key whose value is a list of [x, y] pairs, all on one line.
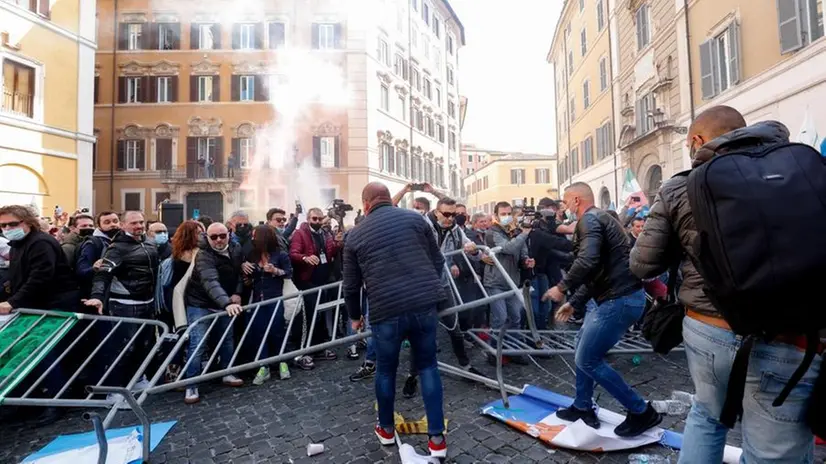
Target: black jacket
{"points": [[394, 253], [39, 274], [670, 229], [600, 269], [551, 251], [130, 269], [215, 278]]}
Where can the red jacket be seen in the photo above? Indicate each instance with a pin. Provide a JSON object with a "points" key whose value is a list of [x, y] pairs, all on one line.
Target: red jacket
{"points": [[302, 246]]}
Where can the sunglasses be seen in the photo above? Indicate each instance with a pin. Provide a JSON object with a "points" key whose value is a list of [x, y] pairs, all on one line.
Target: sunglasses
{"points": [[446, 214], [280, 219], [4, 225], [316, 219], [218, 237]]}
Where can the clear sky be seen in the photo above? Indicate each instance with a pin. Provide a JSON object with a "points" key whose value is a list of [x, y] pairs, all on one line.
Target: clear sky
{"points": [[503, 72]]}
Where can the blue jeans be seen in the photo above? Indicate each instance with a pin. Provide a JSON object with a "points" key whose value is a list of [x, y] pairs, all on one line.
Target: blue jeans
{"points": [[504, 310], [420, 329], [197, 333], [770, 434], [602, 329], [541, 309], [255, 340]]}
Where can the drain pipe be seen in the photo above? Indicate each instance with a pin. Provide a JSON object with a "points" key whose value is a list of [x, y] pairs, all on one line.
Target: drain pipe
{"points": [[112, 141], [614, 145], [688, 56]]}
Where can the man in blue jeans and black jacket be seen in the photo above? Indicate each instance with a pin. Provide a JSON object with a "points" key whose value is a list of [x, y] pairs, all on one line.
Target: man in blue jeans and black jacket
{"points": [[394, 255], [600, 271]]}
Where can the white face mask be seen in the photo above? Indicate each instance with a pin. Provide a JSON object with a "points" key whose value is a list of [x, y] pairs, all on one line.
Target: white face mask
{"points": [[505, 220], [220, 250], [14, 234], [570, 215]]}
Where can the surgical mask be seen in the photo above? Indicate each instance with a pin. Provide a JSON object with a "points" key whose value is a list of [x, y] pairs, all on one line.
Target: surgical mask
{"points": [[161, 238], [570, 215], [461, 219], [220, 250], [505, 220], [546, 213], [85, 232], [280, 230], [14, 234]]}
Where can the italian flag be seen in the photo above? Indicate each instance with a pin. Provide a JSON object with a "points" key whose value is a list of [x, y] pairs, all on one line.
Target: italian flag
{"points": [[630, 187]]}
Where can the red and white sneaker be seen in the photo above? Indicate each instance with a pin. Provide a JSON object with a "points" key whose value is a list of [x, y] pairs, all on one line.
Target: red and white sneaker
{"points": [[438, 450], [385, 438]]}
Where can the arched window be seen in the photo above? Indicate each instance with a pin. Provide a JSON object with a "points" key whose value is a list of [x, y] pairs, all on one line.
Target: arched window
{"points": [[654, 180]]}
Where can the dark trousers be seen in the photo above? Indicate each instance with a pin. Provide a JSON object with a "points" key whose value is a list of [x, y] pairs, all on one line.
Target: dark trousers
{"points": [[320, 333], [128, 366]]}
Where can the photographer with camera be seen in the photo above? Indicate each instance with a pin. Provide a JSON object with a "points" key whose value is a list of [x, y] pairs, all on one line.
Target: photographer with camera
{"points": [[552, 252], [420, 204]]}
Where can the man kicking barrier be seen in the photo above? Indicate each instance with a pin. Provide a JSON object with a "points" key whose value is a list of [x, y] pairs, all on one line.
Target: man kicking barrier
{"points": [[600, 271]]}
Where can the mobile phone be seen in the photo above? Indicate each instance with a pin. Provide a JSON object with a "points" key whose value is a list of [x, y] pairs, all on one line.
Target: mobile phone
{"points": [[298, 208], [635, 198], [417, 187], [58, 210]]}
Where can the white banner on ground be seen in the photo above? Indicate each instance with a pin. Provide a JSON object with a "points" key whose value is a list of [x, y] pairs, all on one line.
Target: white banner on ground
{"points": [[121, 450]]}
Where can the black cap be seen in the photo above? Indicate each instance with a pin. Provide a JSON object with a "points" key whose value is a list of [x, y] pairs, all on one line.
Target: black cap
{"points": [[547, 203]]}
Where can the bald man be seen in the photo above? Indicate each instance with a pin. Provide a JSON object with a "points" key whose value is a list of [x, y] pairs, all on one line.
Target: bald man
{"points": [[600, 271], [770, 434], [394, 256]]}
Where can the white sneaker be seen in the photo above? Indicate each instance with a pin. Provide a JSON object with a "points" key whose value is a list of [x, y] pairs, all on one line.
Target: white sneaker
{"points": [[141, 384], [261, 376], [232, 381], [119, 401], [192, 396]]}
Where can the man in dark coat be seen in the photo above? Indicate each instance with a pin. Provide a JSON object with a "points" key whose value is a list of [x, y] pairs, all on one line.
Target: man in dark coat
{"points": [[394, 254]]}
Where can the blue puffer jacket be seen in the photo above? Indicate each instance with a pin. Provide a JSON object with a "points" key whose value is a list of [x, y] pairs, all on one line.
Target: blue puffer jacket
{"points": [[393, 252]]}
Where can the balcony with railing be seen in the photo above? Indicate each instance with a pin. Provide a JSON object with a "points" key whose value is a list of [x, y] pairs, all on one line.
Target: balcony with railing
{"points": [[202, 173], [17, 103]]}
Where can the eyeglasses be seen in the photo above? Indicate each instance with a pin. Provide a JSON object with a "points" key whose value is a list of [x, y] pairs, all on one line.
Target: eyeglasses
{"points": [[6, 225], [218, 237], [316, 219], [280, 219], [447, 214]]}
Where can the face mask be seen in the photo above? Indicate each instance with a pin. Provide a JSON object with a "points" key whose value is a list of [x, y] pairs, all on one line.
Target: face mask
{"points": [[161, 238], [280, 230], [111, 233], [242, 230], [85, 232], [461, 220], [505, 220], [570, 215], [220, 250], [315, 225], [546, 213], [14, 234]]}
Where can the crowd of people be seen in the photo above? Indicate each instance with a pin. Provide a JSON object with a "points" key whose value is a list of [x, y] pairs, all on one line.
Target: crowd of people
{"points": [[583, 265]]}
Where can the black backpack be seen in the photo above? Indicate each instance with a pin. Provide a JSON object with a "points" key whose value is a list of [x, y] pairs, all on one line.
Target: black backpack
{"points": [[761, 249]]}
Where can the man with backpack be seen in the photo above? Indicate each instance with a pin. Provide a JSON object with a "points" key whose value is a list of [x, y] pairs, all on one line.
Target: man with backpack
{"points": [[758, 213]]}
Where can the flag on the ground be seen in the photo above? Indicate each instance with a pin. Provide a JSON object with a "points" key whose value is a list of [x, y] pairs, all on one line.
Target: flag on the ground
{"points": [[630, 187]]}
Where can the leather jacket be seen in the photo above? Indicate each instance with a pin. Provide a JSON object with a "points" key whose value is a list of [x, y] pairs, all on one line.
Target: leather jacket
{"points": [[129, 270], [215, 278], [600, 269]]}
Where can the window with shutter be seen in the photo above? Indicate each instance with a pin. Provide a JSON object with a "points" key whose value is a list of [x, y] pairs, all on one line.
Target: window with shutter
{"points": [[133, 155], [277, 35], [586, 95], [163, 87], [134, 36], [643, 27], [574, 161], [707, 80], [133, 89], [325, 36], [97, 89], [246, 88], [790, 23], [167, 36], [583, 39], [600, 15], [603, 74], [245, 152], [205, 87], [163, 154]]}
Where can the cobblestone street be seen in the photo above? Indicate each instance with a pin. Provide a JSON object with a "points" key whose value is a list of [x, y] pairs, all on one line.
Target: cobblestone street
{"points": [[275, 422]]}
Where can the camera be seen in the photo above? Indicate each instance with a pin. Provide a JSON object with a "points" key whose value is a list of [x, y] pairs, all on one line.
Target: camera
{"points": [[338, 209], [84, 210], [530, 217]]}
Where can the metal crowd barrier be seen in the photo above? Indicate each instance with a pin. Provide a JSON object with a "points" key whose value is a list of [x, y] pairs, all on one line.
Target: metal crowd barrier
{"points": [[19, 388], [517, 342]]}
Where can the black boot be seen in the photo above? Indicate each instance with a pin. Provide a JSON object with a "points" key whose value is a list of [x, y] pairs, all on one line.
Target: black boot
{"points": [[573, 414], [409, 390], [637, 424]]}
